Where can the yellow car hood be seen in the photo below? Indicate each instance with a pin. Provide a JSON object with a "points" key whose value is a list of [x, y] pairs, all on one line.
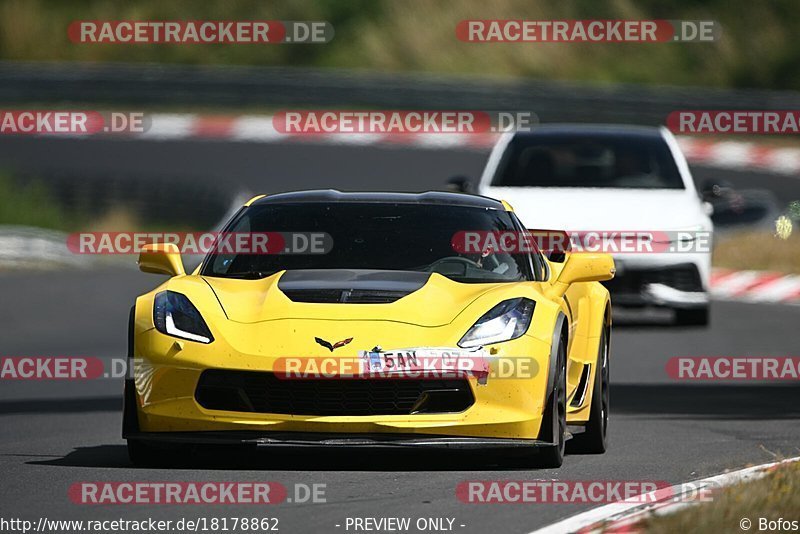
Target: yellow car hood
{"points": [[429, 300]]}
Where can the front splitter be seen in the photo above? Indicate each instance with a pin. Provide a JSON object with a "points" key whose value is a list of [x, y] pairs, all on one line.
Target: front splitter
{"points": [[327, 441]]}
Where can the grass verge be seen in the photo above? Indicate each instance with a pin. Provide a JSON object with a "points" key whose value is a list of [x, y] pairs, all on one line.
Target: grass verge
{"points": [[773, 498], [759, 251], [31, 205]]}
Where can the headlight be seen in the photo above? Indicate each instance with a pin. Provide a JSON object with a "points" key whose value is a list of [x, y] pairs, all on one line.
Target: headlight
{"points": [[175, 315], [508, 320]]}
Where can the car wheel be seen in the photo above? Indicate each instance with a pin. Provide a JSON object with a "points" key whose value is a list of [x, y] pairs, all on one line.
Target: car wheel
{"points": [[556, 415], [142, 454], [692, 317], [594, 439]]}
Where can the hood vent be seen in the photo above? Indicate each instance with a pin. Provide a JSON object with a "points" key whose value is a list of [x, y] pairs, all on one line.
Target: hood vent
{"points": [[345, 286], [347, 296]]}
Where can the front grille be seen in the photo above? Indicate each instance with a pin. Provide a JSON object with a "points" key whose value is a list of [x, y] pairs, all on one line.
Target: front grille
{"points": [[344, 296], [683, 277], [261, 392]]}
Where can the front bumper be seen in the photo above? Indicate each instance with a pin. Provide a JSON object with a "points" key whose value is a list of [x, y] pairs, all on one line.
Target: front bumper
{"points": [[167, 375], [676, 285]]}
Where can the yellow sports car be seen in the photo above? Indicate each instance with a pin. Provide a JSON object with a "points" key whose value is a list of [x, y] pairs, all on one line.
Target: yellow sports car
{"points": [[390, 333]]}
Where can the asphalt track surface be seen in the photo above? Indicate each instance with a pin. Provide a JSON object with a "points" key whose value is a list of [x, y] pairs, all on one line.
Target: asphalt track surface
{"points": [[54, 434], [273, 167]]}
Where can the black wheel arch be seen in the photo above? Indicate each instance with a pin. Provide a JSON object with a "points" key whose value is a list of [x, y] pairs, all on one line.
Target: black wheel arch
{"points": [[560, 335], [548, 430]]}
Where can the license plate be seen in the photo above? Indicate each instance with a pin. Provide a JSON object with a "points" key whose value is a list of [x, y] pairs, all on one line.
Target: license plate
{"points": [[421, 360], [394, 361]]}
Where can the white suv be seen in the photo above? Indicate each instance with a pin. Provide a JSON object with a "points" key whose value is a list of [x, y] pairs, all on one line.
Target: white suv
{"points": [[609, 178]]}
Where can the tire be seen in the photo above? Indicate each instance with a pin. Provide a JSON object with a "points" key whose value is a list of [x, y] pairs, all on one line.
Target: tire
{"points": [[142, 455], [130, 419], [594, 439], [139, 453], [692, 317], [556, 415]]}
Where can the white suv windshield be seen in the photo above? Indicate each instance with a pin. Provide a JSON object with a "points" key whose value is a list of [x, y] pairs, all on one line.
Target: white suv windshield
{"points": [[575, 160]]}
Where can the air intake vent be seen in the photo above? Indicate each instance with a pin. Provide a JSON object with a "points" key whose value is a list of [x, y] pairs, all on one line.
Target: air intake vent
{"points": [[347, 296], [350, 286], [261, 392], [583, 386]]}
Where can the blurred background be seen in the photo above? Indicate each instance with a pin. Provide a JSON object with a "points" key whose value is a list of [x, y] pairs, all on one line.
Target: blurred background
{"points": [[388, 55], [211, 146]]}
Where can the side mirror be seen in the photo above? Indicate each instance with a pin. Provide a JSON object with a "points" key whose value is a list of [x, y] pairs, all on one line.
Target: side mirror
{"points": [[587, 267], [584, 267], [161, 258], [714, 188], [459, 184]]}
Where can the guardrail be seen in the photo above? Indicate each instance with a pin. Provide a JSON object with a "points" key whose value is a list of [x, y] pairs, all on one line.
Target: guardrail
{"points": [[274, 87], [182, 87]]}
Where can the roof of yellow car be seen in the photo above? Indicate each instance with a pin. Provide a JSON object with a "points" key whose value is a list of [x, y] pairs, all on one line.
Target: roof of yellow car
{"points": [[254, 199], [430, 197]]}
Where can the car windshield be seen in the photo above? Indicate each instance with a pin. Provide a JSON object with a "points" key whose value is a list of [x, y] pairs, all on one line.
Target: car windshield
{"points": [[559, 160], [375, 236]]}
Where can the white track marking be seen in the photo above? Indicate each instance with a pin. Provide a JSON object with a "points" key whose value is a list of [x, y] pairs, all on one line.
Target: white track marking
{"points": [[620, 515]]}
